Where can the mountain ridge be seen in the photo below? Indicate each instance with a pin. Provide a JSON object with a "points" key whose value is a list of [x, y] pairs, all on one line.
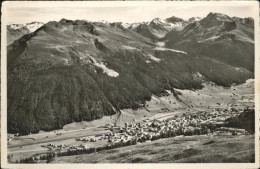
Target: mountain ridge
{"points": [[219, 37]]}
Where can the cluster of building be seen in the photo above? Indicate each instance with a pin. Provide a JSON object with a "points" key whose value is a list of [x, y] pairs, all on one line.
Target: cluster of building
{"points": [[52, 145], [86, 139], [183, 124], [150, 129], [64, 146]]}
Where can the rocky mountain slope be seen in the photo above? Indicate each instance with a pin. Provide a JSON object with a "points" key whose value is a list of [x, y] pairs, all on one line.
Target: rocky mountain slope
{"points": [[229, 40], [157, 28], [70, 71]]}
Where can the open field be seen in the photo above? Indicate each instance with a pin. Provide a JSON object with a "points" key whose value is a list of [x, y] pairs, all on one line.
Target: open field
{"points": [[188, 149]]}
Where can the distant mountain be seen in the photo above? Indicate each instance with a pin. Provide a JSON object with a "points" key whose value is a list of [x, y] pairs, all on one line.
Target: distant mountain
{"points": [[78, 70], [157, 28], [229, 40], [194, 19], [33, 26], [15, 31], [120, 25], [216, 19], [244, 21], [174, 20], [16, 26]]}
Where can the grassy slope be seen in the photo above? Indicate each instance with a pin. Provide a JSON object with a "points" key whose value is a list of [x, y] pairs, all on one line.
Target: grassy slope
{"points": [[192, 149]]}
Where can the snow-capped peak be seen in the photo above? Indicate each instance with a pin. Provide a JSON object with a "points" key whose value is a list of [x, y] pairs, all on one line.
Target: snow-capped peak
{"points": [[16, 26], [135, 25], [33, 26], [126, 25], [158, 21], [30, 26]]}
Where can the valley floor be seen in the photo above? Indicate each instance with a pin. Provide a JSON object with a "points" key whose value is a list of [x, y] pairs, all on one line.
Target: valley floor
{"points": [[209, 99]]}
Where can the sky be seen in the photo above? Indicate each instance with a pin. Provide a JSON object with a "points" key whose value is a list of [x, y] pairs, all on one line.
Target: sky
{"points": [[129, 14]]}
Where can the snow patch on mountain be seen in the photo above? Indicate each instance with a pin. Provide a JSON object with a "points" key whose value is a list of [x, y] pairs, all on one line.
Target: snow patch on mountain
{"points": [[34, 26], [177, 26], [16, 26], [30, 26], [126, 25], [105, 69], [245, 39], [173, 50], [160, 34], [168, 25], [194, 19], [154, 58], [222, 17], [160, 44], [209, 39], [135, 25], [158, 21], [129, 47]]}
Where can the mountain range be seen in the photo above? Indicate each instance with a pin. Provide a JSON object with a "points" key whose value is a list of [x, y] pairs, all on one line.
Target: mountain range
{"points": [[15, 31], [75, 70]]}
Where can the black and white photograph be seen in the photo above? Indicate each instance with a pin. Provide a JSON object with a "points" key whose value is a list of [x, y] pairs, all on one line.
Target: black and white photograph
{"points": [[130, 82]]}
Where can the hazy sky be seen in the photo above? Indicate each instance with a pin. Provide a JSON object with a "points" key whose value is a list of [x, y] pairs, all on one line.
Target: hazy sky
{"points": [[112, 14]]}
